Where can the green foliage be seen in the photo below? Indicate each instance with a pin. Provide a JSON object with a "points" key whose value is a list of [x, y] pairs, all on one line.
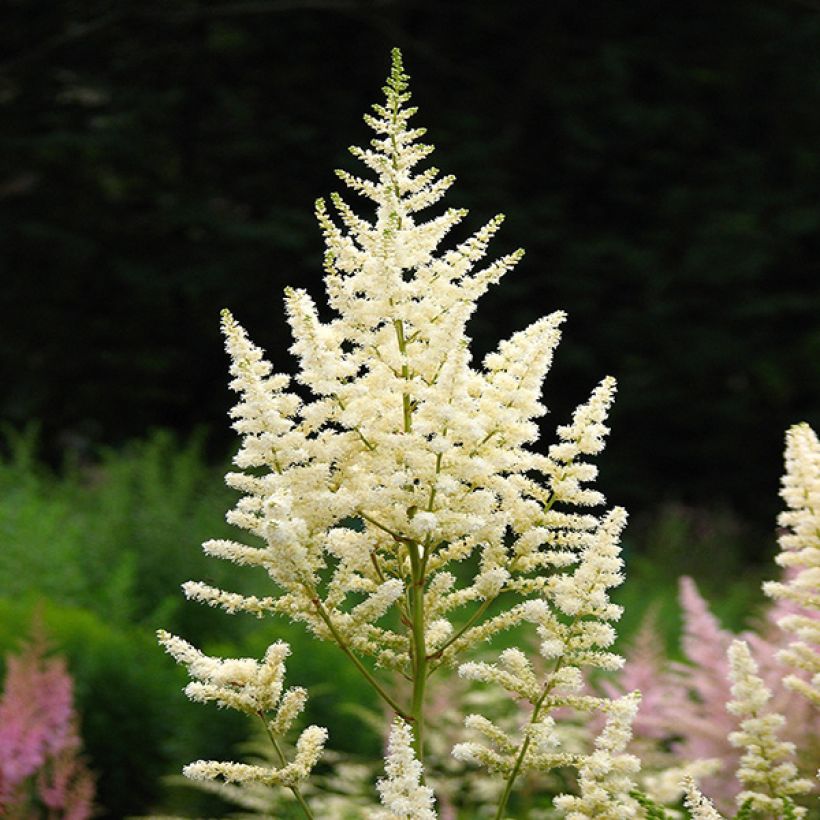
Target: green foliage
{"points": [[653, 810], [106, 546], [745, 812], [118, 536]]}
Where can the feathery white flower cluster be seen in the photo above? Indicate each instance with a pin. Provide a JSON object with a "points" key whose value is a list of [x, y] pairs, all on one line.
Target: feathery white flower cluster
{"points": [[425, 454], [769, 776], [573, 621], [800, 553], [256, 689], [405, 459], [402, 793], [605, 778]]}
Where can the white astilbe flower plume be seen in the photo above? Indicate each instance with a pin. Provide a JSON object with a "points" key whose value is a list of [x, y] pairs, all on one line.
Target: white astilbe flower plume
{"points": [[573, 622], [401, 459], [401, 433], [800, 553], [402, 793], [766, 770]]}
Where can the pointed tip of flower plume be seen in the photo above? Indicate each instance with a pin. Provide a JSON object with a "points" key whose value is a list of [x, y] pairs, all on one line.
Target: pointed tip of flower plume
{"points": [[398, 79]]}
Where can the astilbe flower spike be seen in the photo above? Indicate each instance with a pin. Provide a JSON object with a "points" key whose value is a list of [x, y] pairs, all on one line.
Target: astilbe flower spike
{"points": [[700, 807], [404, 460], [257, 689], [402, 793], [766, 770]]}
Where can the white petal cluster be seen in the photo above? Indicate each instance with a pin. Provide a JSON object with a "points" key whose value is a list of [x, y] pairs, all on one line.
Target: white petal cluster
{"points": [[255, 689], [402, 793], [239, 683], [766, 770], [800, 555], [700, 807], [572, 621], [606, 777], [308, 751]]}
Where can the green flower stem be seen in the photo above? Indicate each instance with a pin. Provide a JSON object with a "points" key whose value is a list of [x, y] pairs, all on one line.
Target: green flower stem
{"points": [[283, 761], [396, 536], [419, 652], [407, 409], [480, 611], [452, 639], [535, 712]]}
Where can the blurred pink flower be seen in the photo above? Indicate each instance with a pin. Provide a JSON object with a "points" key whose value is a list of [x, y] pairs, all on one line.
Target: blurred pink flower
{"points": [[39, 737], [684, 704]]}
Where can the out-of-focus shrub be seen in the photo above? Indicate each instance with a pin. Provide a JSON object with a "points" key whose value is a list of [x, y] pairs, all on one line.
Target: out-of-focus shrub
{"points": [[117, 537]]}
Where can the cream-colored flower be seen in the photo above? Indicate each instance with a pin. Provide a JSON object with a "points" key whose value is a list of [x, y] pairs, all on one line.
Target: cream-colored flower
{"points": [[402, 793], [800, 555], [401, 459], [766, 770], [606, 777], [700, 807]]}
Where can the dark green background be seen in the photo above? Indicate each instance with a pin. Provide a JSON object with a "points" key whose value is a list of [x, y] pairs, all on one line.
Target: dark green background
{"points": [[658, 160]]}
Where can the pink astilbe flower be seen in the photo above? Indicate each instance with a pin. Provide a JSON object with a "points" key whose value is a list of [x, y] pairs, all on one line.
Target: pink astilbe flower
{"points": [[65, 783], [39, 739], [704, 682], [685, 703], [683, 708], [645, 671]]}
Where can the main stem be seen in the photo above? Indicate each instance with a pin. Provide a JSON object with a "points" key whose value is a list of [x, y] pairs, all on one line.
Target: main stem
{"points": [[407, 410], [342, 644], [419, 651], [418, 565]]}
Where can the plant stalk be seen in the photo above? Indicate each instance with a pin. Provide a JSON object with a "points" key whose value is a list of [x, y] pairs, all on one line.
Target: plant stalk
{"points": [[283, 761], [357, 663], [419, 652], [499, 815]]}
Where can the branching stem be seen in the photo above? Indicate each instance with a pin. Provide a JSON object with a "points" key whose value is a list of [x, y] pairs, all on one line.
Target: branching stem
{"points": [[323, 614], [499, 815], [283, 761], [419, 650]]}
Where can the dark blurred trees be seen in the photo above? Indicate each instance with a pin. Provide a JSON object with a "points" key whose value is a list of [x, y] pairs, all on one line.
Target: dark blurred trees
{"points": [[660, 162]]}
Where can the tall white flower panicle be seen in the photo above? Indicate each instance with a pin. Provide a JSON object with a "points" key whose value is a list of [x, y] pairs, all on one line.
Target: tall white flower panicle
{"points": [[800, 555], [257, 689], [402, 793], [402, 458], [766, 770]]}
